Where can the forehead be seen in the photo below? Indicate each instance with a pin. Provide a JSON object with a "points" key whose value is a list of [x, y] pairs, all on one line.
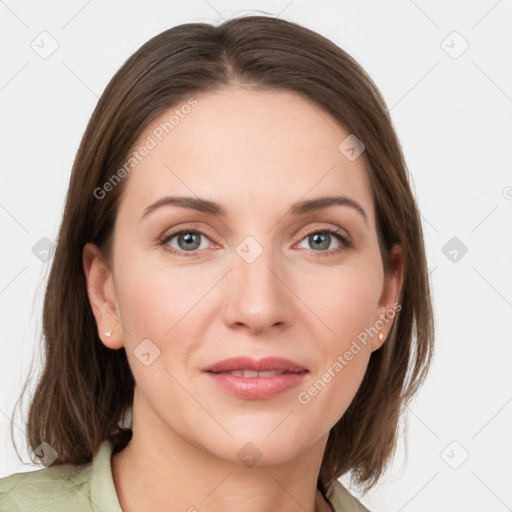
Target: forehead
{"points": [[245, 149]]}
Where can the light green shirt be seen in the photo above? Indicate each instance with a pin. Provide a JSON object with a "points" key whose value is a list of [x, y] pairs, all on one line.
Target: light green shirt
{"points": [[90, 488]]}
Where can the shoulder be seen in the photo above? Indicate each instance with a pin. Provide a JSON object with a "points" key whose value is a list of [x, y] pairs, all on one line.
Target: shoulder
{"points": [[55, 488], [342, 500]]}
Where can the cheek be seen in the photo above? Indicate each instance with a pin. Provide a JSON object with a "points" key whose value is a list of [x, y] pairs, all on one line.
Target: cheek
{"points": [[346, 305], [343, 358], [345, 300], [168, 306], [153, 298]]}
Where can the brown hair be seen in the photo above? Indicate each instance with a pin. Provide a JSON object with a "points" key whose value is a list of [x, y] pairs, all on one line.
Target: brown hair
{"points": [[85, 388]]}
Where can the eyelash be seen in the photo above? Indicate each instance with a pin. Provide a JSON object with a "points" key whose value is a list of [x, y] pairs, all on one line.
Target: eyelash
{"points": [[345, 241]]}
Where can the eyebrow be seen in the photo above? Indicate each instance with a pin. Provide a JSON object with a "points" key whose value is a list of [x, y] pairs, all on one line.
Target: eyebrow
{"points": [[212, 208]]}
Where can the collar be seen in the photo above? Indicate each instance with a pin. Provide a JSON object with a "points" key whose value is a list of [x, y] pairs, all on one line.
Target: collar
{"points": [[103, 491]]}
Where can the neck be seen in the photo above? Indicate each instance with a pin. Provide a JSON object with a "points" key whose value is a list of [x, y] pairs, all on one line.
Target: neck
{"points": [[160, 467]]}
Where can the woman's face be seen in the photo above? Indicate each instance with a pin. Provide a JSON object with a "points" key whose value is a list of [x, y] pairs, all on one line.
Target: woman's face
{"points": [[254, 276]]}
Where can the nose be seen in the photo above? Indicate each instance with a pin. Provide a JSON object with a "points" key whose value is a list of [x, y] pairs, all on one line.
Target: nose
{"points": [[259, 297]]}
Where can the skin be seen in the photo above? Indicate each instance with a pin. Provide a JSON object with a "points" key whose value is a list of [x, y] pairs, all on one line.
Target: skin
{"points": [[255, 153]]}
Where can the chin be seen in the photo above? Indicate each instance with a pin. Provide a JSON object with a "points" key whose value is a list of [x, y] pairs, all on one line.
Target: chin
{"points": [[261, 445]]}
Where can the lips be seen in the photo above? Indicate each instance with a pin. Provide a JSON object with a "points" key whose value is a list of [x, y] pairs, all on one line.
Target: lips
{"points": [[247, 378], [266, 367]]}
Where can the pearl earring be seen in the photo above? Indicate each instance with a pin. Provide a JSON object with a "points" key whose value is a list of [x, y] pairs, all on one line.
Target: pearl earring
{"points": [[108, 333], [381, 336]]}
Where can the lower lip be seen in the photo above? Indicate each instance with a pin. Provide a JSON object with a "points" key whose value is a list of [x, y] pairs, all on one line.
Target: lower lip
{"points": [[256, 388]]}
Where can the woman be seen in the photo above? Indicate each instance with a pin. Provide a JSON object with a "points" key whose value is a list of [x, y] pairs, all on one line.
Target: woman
{"points": [[238, 308]]}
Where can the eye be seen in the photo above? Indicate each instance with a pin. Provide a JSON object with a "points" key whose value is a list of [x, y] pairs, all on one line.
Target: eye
{"points": [[186, 240], [320, 240], [191, 240]]}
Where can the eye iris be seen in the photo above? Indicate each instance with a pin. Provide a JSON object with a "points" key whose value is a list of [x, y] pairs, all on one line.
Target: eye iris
{"points": [[192, 241], [322, 238]]}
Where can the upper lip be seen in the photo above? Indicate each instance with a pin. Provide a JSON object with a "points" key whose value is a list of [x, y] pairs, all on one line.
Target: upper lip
{"points": [[260, 365]]}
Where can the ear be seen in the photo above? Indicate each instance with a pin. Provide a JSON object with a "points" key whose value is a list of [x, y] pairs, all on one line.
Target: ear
{"points": [[102, 297], [387, 308]]}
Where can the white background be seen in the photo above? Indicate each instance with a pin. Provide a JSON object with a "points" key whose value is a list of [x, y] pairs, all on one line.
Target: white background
{"points": [[454, 120]]}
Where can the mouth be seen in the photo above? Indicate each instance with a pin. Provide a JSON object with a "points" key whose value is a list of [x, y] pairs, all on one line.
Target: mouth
{"points": [[245, 377]]}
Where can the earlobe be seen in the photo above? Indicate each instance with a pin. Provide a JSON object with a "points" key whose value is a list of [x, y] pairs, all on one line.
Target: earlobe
{"points": [[376, 344], [389, 301], [102, 297]]}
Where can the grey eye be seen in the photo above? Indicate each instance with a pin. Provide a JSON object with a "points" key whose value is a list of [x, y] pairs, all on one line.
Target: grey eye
{"points": [[321, 240], [187, 241]]}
